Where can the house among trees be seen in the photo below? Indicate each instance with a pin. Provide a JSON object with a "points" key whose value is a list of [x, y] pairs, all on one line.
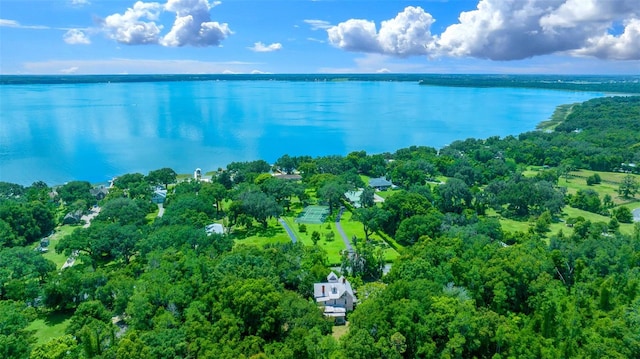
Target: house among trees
{"points": [[380, 183], [99, 193], [214, 228], [159, 195], [335, 296]]}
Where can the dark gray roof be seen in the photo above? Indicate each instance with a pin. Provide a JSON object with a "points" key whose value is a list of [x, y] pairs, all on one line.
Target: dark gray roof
{"points": [[380, 182]]}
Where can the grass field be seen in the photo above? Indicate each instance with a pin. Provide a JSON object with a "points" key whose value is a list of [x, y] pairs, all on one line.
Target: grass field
{"points": [[509, 225], [609, 185], [334, 247], [339, 330], [49, 326], [259, 236], [57, 259], [352, 227]]}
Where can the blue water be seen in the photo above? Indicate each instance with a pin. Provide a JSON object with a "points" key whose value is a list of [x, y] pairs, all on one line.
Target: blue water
{"points": [[95, 131]]}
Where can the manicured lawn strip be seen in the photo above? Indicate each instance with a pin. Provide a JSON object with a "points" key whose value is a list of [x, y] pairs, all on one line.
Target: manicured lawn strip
{"points": [[259, 237], [334, 248], [626, 228], [574, 184], [387, 193], [339, 330], [615, 177], [509, 225], [352, 227], [61, 232], [49, 326]]}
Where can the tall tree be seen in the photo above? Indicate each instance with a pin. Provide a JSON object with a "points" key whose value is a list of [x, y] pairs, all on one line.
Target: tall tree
{"points": [[332, 193], [163, 176], [628, 187], [371, 218]]}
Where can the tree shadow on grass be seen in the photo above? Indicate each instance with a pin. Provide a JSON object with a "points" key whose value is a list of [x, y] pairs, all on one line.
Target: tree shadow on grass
{"points": [[57, 317], [269, 232]]}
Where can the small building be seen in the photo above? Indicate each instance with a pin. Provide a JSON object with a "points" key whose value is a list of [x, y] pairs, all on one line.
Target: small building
{"points": [[354, 197], [197, 174], [159, 195], [99, 192], [335, 296], [380, 183], [212, 228]]}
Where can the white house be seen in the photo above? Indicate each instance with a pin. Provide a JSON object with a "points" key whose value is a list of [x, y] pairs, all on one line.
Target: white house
{"points": [[214, 228], [335, 296]]}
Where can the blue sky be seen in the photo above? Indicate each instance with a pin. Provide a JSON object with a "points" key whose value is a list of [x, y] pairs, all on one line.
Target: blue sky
{"points": [[332, 36]]}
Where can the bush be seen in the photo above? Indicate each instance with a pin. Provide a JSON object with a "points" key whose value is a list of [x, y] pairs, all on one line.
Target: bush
{"points": [[623, 215], [302, 228], [593, 179], [330, 236]]}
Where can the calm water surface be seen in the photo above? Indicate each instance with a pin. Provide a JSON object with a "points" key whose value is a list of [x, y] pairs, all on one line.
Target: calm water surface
{"points": [[93, 132]]}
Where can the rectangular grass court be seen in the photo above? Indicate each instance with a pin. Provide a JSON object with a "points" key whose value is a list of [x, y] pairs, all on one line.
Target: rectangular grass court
{"points": [[313, 215]]}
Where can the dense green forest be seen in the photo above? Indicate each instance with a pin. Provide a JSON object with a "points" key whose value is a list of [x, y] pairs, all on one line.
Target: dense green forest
{"points": [[515, 247]]}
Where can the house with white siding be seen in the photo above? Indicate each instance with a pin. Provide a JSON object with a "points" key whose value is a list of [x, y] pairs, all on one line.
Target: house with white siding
{"points": [[335, 296]]}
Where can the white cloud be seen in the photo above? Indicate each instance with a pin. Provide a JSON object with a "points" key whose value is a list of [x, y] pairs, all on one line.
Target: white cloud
{"points": [[260, 47], [193, 25], [79, 2], [17, 25], [70, 70], [405, 35], [503, 30], [137, 66], [623, 47], [76, 37], [318, 24], [130, 29], [9, 23], [258, 72]]}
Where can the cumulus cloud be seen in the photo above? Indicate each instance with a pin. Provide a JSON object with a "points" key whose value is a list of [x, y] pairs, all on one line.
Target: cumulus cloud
{"points": [[260, 47], [623, 47], [131, 28], [76, 37], [192, 26], [503, 30], [512, 30], [405, 35]]}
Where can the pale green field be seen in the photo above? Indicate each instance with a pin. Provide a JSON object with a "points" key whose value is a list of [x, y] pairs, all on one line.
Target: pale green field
{"points": [[334, 248], [259, 237], [49, 327], [509, 225], [61, 232], [352, 227]]}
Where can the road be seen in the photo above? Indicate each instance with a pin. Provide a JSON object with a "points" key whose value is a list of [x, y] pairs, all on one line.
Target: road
{"points": [[289, 231], [347, 243]]}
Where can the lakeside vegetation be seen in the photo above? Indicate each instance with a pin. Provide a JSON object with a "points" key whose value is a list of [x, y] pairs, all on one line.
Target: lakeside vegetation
{"points": [[523, 246], [620, 84]]}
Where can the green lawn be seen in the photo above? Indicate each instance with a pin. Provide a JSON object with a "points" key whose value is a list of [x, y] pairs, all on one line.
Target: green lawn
{"points": [[51, 254], [49, 326], [334, 247], [577, 181], [259, 237], [509, 225], [352, 227]]}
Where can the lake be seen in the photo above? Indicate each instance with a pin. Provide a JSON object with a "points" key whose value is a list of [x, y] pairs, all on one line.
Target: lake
{"points": [[95, 131]]}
